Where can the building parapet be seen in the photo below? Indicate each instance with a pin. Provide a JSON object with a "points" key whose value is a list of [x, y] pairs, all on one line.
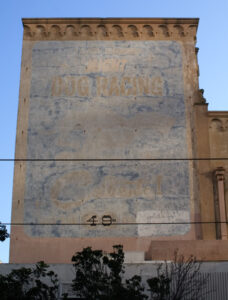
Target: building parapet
{"points": [[110, 28]]}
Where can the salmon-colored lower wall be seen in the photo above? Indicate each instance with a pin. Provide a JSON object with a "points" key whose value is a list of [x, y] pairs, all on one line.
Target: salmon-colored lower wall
{"points": [[60, 250], [25, 249]]}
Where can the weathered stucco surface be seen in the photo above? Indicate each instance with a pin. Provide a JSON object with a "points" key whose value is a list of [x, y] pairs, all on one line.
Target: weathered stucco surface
{"points": [[107, 100]]}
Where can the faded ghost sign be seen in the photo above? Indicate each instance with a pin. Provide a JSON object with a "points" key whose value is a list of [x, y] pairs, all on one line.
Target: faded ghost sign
{"points": [[83, 86], [107, 100]]}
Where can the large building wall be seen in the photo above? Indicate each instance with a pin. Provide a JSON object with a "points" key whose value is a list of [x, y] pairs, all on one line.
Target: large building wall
{"points": [[109, 115]]}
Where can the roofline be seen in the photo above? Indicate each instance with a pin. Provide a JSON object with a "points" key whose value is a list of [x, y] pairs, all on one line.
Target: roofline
{"points": [[218, 113], [190, 21]]}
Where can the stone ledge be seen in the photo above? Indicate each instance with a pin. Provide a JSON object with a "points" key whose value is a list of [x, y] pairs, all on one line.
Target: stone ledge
{"points": [[204, 250]]}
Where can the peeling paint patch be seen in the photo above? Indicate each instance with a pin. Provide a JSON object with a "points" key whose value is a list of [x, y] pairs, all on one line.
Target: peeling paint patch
{"points": [[163, 216]]}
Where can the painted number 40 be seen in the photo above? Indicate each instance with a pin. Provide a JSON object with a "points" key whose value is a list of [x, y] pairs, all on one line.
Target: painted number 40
{"points": [[106, 220]]}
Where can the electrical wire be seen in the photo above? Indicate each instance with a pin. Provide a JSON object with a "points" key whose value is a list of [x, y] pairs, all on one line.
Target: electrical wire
{"points": [[113, 223], [111, 159]]}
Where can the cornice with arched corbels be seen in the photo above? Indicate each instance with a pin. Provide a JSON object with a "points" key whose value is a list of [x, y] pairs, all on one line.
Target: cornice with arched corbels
{"points": [[82, 30], [218, 121]]}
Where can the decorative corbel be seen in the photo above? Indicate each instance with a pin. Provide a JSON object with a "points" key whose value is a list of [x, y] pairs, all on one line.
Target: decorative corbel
{"points": [[201, 97]]}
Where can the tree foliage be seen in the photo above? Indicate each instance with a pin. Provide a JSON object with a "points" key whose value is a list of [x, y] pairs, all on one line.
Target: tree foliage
{"points": [[99, 276], [179, 279], [27, 284], [3, 233]]}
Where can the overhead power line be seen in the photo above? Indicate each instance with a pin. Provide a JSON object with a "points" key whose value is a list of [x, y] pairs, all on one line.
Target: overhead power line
{"points": [[111, 159], [113, 223]]}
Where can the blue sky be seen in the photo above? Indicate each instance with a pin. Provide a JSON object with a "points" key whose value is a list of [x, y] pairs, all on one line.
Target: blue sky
{"points": [[212, 40]]}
